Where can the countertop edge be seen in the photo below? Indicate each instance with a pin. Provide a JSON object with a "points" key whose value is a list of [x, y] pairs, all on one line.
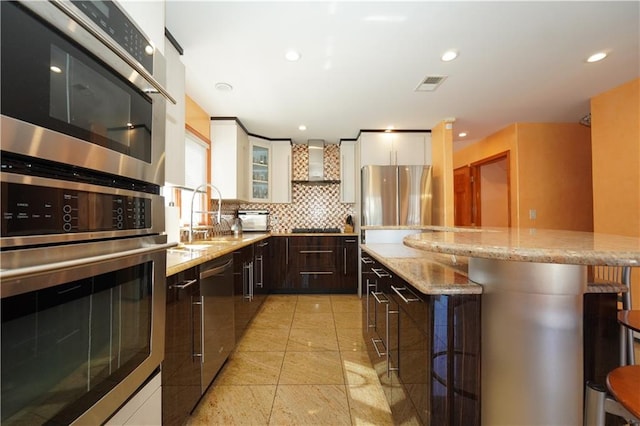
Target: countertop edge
{"points": [[178, 261], [412, 270]]}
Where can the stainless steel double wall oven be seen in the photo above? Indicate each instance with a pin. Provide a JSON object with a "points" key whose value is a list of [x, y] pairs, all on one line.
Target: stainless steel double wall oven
{"points": [[83, 249]]}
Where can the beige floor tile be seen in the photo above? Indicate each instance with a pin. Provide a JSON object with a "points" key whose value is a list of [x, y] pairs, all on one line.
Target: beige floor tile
{"points": [[368, 405], [280, 303], [358, 370], [346, 303], [312, 320], [314, 306], [310, 405], [256, 339], [312, 339], [350, 339], [311, 298], [235, 405], [311, 368], [251, 368], [272, 319], [348, 319]]}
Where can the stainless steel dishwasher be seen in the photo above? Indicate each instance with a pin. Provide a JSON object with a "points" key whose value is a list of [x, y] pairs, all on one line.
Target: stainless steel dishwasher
{"points": [[217, 311]]}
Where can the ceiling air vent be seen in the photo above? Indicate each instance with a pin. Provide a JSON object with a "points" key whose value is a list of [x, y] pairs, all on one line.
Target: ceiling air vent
{"points": [[430, 83]]}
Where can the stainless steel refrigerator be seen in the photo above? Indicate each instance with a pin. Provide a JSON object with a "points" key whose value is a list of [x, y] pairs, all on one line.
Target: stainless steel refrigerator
{"points": [[396, 195]]}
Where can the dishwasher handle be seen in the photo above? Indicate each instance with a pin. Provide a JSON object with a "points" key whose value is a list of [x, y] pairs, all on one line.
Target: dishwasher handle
{"points": [[215, 271]]}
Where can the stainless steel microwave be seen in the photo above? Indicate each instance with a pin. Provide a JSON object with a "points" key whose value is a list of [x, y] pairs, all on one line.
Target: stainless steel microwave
{"points": [[254, 220], [83, 88]]}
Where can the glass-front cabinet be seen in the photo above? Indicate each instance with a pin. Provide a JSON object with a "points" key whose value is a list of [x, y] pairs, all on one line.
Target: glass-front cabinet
{"points": [[260, 171]]}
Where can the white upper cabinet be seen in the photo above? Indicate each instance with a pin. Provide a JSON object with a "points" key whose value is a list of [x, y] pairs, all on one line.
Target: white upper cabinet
{"points": [[395, 148], [260, 170], [175, 123], [230, 159], [281, 173], [348, 171]]}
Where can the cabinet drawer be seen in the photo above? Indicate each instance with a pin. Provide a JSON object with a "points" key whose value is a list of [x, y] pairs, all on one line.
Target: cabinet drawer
{"points": [[316, 259]]}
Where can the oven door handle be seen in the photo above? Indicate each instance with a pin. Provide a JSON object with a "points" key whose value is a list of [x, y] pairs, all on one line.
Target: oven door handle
{"points": [[84, 261], [114, 48]]}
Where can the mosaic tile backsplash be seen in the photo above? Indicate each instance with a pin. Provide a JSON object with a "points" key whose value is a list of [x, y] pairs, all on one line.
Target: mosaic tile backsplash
{"points": [[312, 206]]}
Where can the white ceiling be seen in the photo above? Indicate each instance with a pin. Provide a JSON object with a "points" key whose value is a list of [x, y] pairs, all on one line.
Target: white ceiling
{"points": [[361, 61]]}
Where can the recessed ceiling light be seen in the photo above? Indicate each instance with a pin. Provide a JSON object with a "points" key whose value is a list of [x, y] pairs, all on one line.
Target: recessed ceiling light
{"points": [[302, 127], [462, 134], [597, 57], [224, 87], [449, 55], [55, 69], [148, 49], [292, 55]]}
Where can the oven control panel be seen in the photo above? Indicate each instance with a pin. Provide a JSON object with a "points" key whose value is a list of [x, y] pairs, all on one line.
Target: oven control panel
{"points": [[40, 210]]}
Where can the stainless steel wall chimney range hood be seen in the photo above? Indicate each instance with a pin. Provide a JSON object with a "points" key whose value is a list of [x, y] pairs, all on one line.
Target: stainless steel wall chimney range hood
{"points": [[316, 164], [316, 159]]}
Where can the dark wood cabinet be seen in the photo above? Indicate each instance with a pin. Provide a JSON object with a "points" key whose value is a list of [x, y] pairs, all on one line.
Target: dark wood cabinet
{"points": [[349, 265], [278, 278], [181, 387], [426, 348], [243, 279], [314, 264]]}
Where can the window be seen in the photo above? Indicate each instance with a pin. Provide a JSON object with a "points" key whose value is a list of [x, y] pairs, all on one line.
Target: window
{"points": [[196, 174]]}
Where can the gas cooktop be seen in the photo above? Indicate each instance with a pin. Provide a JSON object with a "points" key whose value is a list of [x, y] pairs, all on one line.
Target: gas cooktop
{"points": [[315, 230]]}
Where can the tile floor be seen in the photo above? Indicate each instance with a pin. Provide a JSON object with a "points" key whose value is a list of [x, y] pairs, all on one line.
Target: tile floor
{"points": [[302, 361]]}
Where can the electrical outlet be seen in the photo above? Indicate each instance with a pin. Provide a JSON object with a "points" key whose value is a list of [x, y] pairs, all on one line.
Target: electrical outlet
{"points": [[274, 220], [532, 214]]}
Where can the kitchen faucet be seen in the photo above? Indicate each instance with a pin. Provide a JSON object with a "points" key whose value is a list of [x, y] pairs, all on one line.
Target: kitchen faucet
{"points": [[193, 197]]}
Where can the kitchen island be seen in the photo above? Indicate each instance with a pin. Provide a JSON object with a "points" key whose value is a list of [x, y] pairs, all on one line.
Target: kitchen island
{"points": [[532, 314]]}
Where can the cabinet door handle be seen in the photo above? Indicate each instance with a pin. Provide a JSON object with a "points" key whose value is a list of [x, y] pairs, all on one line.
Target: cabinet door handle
{"points": [[381, 273], [315, 251], [389, 312], [375, 346], [380, 297], [350, 241], [344, 257], [411, 299], [185, 284], [263, 244], [366, 260], [370, 288], [195, 302], [316, 273]]}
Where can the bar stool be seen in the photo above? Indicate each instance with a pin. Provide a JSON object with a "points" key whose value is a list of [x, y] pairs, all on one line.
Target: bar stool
{"points": [[623, 383]]}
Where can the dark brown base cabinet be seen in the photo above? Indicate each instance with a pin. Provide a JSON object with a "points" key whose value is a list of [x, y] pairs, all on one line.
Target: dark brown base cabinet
{"points": [[181, 382], [250, 288], [314, 264], [426, 349]]}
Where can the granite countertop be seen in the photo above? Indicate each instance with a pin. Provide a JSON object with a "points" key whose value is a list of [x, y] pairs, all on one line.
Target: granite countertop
{"points": [[314, 234], [430, 273], [532, 245], [187, 256]]}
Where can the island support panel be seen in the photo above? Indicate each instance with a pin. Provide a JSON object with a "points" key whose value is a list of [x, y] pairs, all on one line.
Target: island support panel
{"points": [[532, 342]]}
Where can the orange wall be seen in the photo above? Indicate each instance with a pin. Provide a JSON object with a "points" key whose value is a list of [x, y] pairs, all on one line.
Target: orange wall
{"points": [[550, 172], [555, 175], [501, 141], [197, 119], [615, 130], [441, 159]]}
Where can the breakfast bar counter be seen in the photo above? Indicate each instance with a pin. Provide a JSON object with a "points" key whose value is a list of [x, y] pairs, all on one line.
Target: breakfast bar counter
{"points": [[532, 314]]}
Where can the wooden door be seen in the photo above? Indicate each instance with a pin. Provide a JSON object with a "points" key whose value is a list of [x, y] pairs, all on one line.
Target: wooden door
{"points": [[463, 200]]}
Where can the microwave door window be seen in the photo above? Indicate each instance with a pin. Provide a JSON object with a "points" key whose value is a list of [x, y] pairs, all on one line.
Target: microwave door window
{"points": [[83, 98]]}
